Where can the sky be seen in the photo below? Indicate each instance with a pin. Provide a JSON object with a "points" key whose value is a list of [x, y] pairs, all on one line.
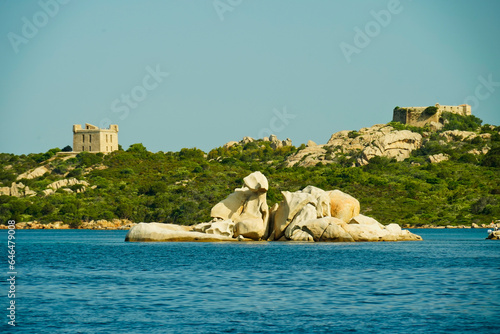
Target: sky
{"points": [[200, 73]]}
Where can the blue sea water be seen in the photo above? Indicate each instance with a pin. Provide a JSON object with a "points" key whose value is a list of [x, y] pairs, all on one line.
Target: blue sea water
{"points": [[80, 281]]}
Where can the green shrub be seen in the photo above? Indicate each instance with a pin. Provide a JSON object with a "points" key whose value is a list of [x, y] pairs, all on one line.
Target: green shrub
{"points": [[430, 111], [492, 158], [86, 159], [459, 122], [353, 134]]}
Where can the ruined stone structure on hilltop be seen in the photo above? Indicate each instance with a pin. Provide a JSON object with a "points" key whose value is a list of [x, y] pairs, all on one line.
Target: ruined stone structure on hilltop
{"points": [[420, 116], [93, 139]]}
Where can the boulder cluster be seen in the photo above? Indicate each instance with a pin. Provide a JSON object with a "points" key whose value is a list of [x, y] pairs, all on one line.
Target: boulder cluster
{"points": [[494, 235], [272, 139], [310, 214], [378, 140], [21, 190]]}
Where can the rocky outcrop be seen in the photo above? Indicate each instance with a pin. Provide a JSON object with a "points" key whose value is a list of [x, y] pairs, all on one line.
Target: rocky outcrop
{"points": [[435, 126], [378, 140], [17, 190], [308, 215], [483, 151], [272, 139], [63, 184], [20, 190], [39, 171], [343, 206], [243, 215], [316, 215], [494, 235], [246, 207], [310, 143], [115, 224], [437, 158], [310, 156], [457, 135], [230, 144], [170, 232], [276, 143]]}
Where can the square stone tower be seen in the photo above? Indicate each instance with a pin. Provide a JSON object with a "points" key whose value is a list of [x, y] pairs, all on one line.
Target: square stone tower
{"points": [[93, 139]]}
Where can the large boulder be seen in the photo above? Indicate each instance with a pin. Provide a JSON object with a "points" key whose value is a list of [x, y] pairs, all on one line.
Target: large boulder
{"points": [[336, 232], [343, 206], [246, 207], [327, 229], [232, 206], [363, 228], [289, 207], [256, 182], [494, 235], [221, 227], [169, 232], [307, 213], [299, 235], [323, 204]]}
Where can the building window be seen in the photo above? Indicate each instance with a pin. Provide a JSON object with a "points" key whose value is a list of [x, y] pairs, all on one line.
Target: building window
{"points": [[83, 138], [90, 148], [90, 138], [111, 138], [83, 148], [106, 138]]}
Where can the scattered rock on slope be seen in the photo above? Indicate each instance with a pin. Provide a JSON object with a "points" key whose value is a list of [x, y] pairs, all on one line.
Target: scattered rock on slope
{"points": [[39, 171]]}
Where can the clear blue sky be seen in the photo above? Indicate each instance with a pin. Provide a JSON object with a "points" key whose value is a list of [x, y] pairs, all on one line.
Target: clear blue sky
{"points": [[234, 66]]}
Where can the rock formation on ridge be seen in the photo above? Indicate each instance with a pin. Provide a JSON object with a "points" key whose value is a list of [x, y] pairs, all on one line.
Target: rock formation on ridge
{"points": [[378, 140]]}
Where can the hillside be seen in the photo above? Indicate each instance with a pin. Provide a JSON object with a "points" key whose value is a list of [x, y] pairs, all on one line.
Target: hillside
{"points": [[400, 174]]}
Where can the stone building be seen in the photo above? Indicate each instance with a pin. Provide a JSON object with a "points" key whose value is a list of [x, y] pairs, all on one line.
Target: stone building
{"points": [[93, 139], [420, 116]]}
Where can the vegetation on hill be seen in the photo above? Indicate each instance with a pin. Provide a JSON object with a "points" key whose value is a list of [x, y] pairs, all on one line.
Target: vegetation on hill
{"points": [[181, 187]]}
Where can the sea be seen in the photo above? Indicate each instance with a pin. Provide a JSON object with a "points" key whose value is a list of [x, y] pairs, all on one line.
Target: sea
{"points": [[88, 281]]}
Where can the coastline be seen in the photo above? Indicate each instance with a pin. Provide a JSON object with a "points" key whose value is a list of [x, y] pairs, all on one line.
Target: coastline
{"points": [[125, 224], [102, 224]]}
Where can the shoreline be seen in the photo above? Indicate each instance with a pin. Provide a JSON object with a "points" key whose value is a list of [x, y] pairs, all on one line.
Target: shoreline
{"points": [[102, 224], [124, 224]]}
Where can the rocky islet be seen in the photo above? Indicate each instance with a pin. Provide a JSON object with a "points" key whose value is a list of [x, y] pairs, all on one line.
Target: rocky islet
{"points": [[307, 215]]}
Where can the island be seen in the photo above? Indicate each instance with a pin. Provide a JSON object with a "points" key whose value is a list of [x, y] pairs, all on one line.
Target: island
{"points": [[307, 215]]}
